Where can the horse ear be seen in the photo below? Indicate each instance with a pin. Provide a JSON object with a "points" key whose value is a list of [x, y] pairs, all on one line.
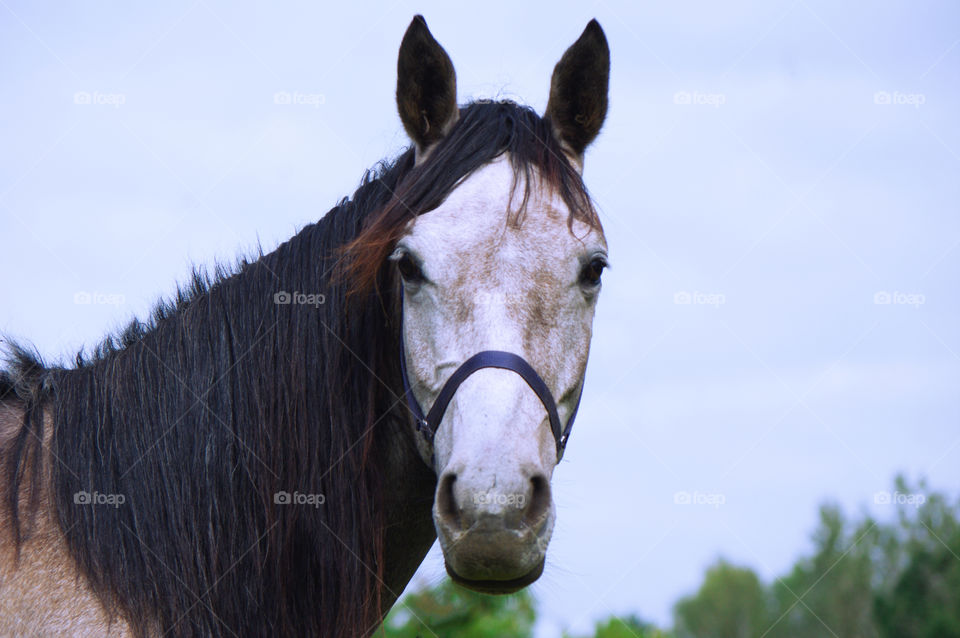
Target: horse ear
{"points": [[578, 90], [426, 87]]}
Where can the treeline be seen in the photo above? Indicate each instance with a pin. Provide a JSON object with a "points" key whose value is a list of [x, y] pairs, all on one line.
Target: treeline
{"points": [[865, 578]]}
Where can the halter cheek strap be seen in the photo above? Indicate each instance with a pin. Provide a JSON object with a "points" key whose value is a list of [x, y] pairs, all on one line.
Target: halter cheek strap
{"points": [[486, 359]]}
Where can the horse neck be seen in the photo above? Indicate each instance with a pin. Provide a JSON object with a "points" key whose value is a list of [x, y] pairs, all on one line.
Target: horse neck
{"points": [[201, 421], [407, 504]]}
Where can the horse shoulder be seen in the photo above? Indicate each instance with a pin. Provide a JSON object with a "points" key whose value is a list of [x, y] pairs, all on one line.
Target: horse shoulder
{"points": [[42, 593]]}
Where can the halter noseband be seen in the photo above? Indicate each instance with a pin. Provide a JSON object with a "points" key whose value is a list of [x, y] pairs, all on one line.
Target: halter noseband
{"points": [[486, 359]]}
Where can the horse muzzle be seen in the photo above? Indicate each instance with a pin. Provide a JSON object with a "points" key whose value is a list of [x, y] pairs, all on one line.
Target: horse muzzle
{"points": [[493, 541]]}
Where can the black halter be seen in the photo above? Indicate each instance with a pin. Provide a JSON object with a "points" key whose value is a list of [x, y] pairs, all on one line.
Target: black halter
{"points": [[487, 359]]}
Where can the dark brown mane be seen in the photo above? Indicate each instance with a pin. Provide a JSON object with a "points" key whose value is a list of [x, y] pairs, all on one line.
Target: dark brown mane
{"points": [[484, 131], [199, 417]]}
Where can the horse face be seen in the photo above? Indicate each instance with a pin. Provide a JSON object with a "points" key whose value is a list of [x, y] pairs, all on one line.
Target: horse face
{"points": [[476, 277], [472, 282]]}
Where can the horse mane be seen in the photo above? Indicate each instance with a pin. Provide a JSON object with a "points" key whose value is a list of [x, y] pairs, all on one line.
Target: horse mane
{"points": [[198, 418], [224, 398]]}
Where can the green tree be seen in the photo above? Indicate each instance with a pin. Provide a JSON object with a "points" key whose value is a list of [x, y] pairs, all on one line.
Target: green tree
{"points": [[922, 600], [730, 604], [829, 594], [450, 611], [870, 579], [626, 627]]}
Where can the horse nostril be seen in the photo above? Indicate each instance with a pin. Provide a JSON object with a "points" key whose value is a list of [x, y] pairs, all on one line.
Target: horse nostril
{"points": [[525, 507], [539, 505], [447, 508]]}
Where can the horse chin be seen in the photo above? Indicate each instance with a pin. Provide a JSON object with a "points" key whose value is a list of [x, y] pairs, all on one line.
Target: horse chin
{"points": [[492, 557], [497, 587]]}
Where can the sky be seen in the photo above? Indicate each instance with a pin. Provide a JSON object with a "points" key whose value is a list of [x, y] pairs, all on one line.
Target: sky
{"points": [[777, 182]]}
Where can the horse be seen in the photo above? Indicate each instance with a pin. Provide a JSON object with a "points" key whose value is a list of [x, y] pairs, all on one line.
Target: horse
{"points": [[274, 451]]}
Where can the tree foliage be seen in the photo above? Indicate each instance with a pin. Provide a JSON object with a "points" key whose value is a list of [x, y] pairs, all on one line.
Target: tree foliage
{"points": [[450, 611], [863, 579], [626, 627], [922, 599], [730, 603]]}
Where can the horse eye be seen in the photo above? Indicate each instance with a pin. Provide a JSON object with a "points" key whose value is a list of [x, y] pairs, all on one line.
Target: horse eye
{"points": [[590, 275], [409, 269]]}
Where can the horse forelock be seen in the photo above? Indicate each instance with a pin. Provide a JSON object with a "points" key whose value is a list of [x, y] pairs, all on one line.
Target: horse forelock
{"points": [[484, 131]]}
